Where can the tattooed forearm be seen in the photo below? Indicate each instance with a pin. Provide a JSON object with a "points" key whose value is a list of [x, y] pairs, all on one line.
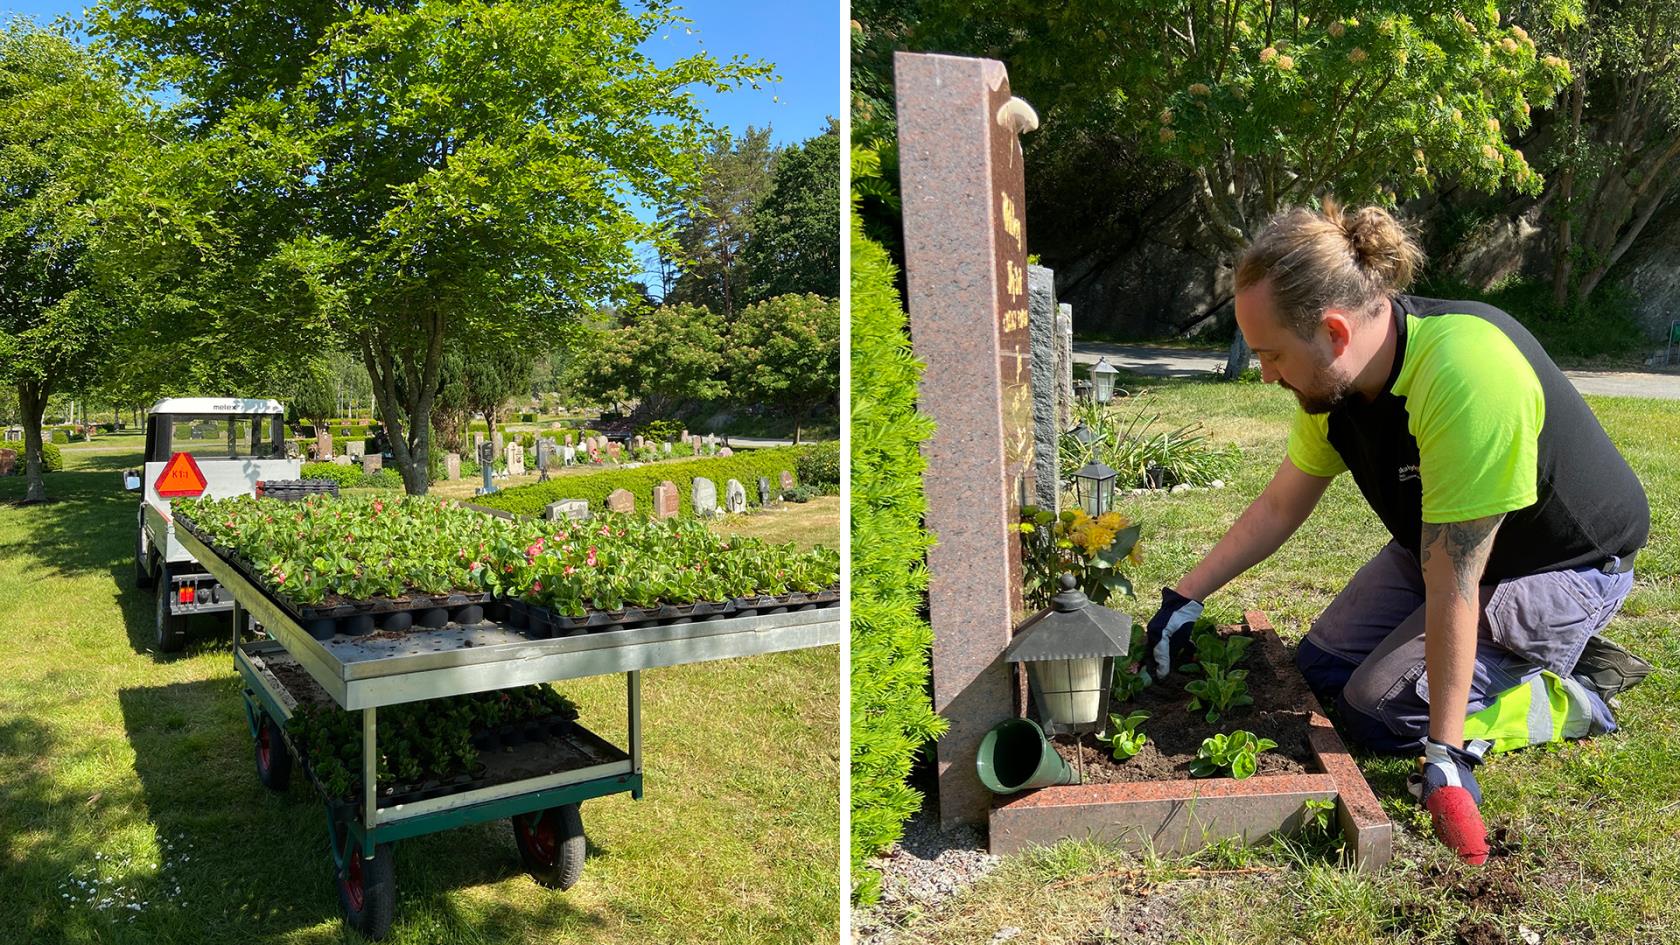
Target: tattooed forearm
{"points": [[1467, 546]]}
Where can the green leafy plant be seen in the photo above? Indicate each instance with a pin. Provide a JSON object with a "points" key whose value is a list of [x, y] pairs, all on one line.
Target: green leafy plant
{"points": [[1125, 738], [1237, 753], [1093, 550], [1219, 692], [1216, 651], [1143, 456], [1127, 683]]}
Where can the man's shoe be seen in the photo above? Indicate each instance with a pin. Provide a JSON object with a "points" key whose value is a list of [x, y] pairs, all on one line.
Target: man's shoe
{"points": [[1608, 668]]}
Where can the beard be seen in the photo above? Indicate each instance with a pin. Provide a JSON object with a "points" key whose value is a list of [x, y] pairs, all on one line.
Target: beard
{"points": [[1329, 390]]}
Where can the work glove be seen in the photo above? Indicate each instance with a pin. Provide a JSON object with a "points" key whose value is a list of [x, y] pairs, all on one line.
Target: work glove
{"points": [[1169, 631], [1450, 793]]}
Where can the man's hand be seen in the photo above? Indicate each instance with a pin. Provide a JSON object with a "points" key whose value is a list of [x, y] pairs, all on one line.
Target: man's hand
{"points": [[1169, 631], [1450, 793]]}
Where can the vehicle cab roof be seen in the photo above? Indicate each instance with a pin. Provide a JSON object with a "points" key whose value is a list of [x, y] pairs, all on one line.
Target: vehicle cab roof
{"points": [[215, 405]]}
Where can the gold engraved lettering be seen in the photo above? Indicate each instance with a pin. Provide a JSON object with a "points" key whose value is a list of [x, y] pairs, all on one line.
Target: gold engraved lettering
{"points": [[1014, 319], [1012, 221], [1015, 278]]}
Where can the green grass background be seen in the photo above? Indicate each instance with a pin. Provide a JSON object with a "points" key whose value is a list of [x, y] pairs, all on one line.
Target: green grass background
{"points": [[126, 778]]}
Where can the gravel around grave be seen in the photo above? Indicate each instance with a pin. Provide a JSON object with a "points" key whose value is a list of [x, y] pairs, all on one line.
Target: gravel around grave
{"points": [[923, 871]]}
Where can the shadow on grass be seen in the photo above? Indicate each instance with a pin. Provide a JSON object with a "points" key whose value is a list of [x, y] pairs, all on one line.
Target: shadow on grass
{"points": [[266, 852]]}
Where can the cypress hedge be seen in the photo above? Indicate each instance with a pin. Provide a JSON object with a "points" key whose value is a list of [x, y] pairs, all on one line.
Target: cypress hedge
{"points": [[51, 459], [746, 466], [892, 715]]}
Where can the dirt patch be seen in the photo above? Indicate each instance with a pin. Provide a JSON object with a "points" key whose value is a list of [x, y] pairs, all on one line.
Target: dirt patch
{"points": [[1480, 932], [1175, 732], [1497, 886]]}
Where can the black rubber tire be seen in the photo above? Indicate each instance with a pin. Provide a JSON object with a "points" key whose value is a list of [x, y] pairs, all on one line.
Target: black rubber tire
{"points": [[142, 556], [274, 762], [551, 845], [171, 628], [367, 890]]}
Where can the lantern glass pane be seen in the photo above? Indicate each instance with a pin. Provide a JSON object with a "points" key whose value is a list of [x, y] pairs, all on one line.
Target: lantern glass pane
{"points": [[1071, 690], [1104, 384]]}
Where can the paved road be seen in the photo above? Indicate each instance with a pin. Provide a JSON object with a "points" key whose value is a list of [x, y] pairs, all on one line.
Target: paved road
{"points": [[1198, 362]]}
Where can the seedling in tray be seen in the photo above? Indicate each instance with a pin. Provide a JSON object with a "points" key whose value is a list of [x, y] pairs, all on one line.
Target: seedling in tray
{"points": [[1219, 692], [1125, 738], [1237, 753]]}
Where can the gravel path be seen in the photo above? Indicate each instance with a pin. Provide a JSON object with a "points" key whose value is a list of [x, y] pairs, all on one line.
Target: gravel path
{"points": [[926, 869]]}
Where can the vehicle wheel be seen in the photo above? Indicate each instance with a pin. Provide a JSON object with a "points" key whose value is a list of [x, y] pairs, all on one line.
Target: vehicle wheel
{"points": [[142, 557], [274, 762], [551, 845], [171, 628], [367, 889]]}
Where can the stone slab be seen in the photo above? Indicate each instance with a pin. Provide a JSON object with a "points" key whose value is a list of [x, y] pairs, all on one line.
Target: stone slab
{"points": [[575, 509], [665, 500], [961, 171], [1064, 366], [703, 496], [621, 500], [452, 466], [372, 463], [734, 497], [1041, 294]]}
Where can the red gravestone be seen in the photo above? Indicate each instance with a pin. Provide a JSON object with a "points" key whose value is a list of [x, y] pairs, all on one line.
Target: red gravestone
{"points": [[960, 166], [665, 500], [8, 462], [621, 500]]}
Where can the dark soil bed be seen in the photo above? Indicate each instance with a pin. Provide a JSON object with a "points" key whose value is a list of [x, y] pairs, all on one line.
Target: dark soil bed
{"points": [[1175, 732]]}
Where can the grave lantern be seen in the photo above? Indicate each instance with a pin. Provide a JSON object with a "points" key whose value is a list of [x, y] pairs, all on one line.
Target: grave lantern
{"points": [[1082, 389], [1082, 434], [1069, 649], [1102, 381], [1094, 485]]}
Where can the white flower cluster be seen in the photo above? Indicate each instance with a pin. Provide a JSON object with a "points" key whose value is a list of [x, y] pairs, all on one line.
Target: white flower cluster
{"points": [[127, 884]]}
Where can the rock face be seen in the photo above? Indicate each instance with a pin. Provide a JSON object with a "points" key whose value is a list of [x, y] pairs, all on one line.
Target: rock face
{"points": [[1650, 273]]}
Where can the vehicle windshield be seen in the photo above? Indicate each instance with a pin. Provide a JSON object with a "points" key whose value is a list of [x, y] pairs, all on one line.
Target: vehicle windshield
{"points": [[225, 437]]}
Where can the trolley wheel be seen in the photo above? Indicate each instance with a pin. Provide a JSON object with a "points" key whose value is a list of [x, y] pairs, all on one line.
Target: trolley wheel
{"points": [[171, 628], [367, 889], [551, 845], [274, 762]]}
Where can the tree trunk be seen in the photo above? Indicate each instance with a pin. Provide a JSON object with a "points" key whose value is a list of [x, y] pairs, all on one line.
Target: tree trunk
{"points": [[408, 421], [32, 403], [1236, 361]]}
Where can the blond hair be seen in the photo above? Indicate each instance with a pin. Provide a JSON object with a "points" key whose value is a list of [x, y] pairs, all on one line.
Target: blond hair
{"points": [[1330, 258]]}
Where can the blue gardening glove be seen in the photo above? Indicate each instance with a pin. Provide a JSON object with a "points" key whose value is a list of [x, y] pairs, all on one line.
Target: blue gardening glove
{"points": [[1169, 631], [1450, 793]]}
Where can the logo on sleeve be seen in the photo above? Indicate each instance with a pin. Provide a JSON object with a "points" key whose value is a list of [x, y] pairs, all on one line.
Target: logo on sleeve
{"points": [[1409, 473]]}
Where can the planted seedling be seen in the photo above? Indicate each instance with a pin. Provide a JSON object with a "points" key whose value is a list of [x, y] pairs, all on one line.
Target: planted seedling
{"points": [[1215, 651], [1128, 684], [1124, 737], [1236, 753], [1219, 692]]}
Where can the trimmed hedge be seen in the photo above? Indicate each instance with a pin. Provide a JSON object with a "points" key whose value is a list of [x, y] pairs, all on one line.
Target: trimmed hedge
{"points": [[819, 468], [345, 476], [746, 466], [892, 716], [51, 458]]}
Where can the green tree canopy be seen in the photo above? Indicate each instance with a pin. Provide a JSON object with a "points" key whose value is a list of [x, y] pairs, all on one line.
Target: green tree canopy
{"points": [[795, 247], [714, 229], [662, 357], [785, 353], [400, 176]]}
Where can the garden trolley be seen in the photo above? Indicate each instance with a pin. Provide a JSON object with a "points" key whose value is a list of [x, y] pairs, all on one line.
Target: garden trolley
{"points": [[539, 787]]}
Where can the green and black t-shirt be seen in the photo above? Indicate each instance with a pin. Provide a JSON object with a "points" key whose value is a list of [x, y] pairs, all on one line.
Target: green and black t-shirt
{"points": [[1476, 420]]}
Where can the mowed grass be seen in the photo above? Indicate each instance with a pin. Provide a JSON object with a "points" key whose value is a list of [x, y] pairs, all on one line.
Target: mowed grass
{"points": [[130, 809], [1599, 820]]}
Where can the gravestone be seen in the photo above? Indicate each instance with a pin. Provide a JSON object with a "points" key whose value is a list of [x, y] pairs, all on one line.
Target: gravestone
{"points": [[342, 459], [726, 451], [764, 491], [452, 466], [960, 170], [497, 440], [573, 509], [568, 439], [734, 497], [515, 459], [621, 500], [665, 500], [615, 451], [786, 480], [8, 462], [568, 454], [685, 434], [372, 463], [1041, 295], [545, 454], [667, 447], [1064, 366], [478, 440], [703, 497], [355, 448], [323, 446], [638, 441]]}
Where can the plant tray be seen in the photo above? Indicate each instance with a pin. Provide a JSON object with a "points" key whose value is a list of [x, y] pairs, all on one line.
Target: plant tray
{"points": [[1181, 815], [542, 623]]}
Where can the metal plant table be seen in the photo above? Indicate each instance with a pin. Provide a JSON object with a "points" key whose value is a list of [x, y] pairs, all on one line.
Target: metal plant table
{"points": [[540, 787]]}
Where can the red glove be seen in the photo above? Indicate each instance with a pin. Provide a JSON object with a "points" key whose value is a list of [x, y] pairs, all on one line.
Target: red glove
{"points": [[1450, 793]]}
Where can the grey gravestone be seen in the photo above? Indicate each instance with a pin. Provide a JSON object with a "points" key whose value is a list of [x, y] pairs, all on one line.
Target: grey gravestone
{"points": [[323, 446], [342, 459], [452, 466], [621, 500], [515, 459], [356, 448], [665, 500], [1064, 366], [544, 453], [703, 497], [734, 496], [574, 509], [960, 171], [478, 440], [764, 490], [372, 463], [667, 447], [568, 454], [1041, 299]]}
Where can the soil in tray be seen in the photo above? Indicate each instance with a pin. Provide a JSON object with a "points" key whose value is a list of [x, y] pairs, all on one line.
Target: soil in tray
{"points": [[1175, 732]]}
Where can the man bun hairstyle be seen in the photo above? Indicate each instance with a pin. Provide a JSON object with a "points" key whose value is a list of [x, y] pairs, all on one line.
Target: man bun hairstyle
{"points": [[1330, 258]]}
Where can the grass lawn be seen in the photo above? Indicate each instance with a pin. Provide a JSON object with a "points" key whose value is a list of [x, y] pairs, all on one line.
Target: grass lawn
{"points": [[1600, 840], [130, 809]]}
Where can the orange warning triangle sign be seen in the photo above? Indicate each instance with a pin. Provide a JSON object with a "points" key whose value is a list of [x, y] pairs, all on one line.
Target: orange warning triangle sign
{"points": [[181, 477]]}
